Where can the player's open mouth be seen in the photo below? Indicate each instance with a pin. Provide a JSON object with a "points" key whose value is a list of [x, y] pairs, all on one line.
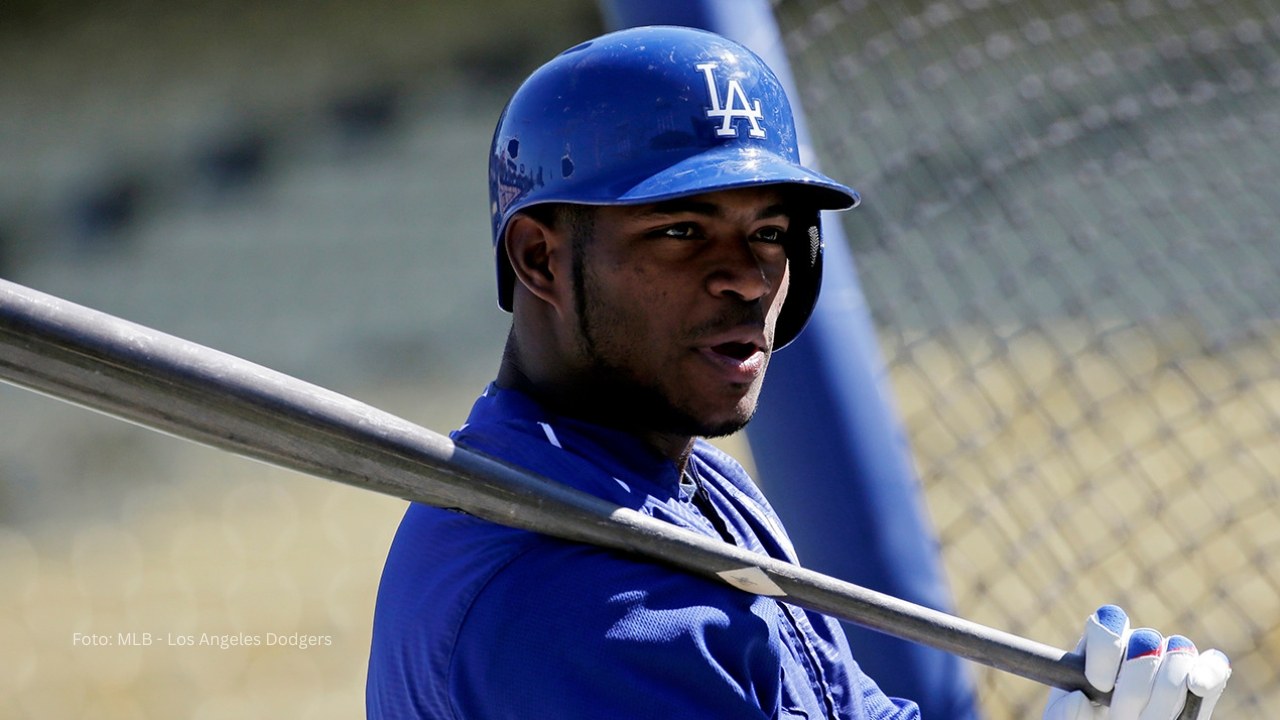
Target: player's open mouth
{"points": [[739, 353], [736, 350], [740, 360]]}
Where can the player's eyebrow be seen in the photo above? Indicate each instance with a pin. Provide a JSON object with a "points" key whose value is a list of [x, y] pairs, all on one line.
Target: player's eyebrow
{"points": [[682, 206]]}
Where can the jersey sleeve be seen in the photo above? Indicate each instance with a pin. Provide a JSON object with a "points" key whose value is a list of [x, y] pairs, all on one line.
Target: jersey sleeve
{"points": [[571, 632]]}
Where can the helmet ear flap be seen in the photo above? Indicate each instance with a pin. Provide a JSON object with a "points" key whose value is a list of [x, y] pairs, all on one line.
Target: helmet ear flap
{"points": [[506, 276], [804, 253]]}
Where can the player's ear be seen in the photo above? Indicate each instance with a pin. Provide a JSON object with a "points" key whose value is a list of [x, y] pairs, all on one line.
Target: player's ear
{"points": [[538, 255]]}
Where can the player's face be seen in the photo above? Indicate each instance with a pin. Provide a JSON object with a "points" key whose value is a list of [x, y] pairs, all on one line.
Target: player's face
{"points": [[677, 303]]}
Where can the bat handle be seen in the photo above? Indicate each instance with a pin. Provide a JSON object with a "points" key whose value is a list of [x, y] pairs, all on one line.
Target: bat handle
{"points": [[1191, 708], [1068, 674]]}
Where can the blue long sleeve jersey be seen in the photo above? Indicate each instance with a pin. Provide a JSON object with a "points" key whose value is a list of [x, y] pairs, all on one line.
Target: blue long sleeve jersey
{"points": [[476, 621]]}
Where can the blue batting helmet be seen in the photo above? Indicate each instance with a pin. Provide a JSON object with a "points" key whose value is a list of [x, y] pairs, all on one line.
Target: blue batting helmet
{"points": [[649, 114]]}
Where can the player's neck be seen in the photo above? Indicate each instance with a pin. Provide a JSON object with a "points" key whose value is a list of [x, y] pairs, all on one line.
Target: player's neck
{"points": [[570, 401]]}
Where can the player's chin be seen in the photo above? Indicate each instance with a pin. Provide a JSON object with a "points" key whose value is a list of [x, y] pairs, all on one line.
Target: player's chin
{"points": [[728, 418], [724, 428]]}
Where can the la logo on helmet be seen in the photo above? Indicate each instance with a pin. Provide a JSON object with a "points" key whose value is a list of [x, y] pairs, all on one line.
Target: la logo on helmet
{"points": [[738, 105]]}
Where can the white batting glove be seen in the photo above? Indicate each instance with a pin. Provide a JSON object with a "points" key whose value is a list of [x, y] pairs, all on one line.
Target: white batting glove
{"points": [[1148, 675]]}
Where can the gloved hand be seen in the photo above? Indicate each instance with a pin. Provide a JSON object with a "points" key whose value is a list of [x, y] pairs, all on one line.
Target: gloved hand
{"points": [[1148, 675]]}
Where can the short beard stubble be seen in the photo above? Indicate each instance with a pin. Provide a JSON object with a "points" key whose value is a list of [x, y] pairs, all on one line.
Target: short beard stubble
{"points": [[612, 395]]}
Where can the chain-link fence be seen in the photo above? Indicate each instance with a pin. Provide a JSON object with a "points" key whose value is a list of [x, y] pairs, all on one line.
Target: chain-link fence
{"points": [[1069, 247]]}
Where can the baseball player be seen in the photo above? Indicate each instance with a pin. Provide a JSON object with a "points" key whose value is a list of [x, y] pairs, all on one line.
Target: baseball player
{"points": [[656, 239]]}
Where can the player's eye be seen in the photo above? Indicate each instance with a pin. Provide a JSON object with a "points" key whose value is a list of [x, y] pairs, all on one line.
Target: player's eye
{"points": [[679, 231], [774, 235]]}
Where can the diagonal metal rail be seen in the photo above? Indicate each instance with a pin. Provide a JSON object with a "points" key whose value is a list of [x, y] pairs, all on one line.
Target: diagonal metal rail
{"points": [[180, 388]]}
